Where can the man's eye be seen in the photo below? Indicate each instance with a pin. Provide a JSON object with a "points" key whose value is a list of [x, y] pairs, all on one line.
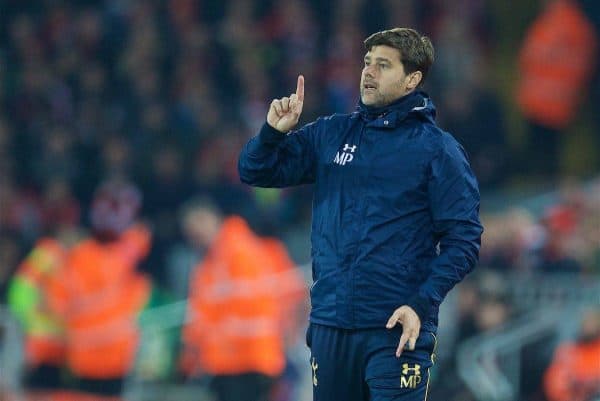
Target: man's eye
{"points": [[383, 66]]}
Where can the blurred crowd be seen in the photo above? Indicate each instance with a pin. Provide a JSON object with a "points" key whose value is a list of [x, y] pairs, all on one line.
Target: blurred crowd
{"points": [[563, 237], [163, 94]]}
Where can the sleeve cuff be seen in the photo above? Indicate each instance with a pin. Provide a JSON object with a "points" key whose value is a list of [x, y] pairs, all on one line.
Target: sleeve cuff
{"points": [[269, 135], [421, 306]]}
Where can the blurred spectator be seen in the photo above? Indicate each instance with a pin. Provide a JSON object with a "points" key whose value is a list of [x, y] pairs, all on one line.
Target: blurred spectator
{"points": [[583, 210], [44, 330], [556, 63], [554, 256], [574, 374], [510, 240], [196, 224], [242, 301], [482, 304], [561, 222], [98, 293]]}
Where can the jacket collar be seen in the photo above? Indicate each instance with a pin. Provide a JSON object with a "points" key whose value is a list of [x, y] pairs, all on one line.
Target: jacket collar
{"points": [[417, 102]]}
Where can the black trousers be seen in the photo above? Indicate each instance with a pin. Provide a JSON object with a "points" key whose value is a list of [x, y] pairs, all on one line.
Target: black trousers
{"points": [[242, 387], [106, 387], [45, 377], [361, 365]]}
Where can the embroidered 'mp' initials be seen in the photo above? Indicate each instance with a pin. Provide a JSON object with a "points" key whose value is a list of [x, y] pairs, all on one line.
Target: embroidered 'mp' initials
{"points": [[411, 377]]}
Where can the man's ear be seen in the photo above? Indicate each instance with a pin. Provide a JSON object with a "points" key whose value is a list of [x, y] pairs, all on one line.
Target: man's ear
{"points": [[414, 79]]}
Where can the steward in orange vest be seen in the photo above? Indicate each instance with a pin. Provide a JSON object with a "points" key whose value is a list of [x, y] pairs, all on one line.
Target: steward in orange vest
{"points": [[241, 296], [99, 293], [556, 63], [44, 331], [574, 374]]}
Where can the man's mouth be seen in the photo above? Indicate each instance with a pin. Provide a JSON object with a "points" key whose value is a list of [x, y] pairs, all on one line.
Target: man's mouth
{"points": [[369, 86]]}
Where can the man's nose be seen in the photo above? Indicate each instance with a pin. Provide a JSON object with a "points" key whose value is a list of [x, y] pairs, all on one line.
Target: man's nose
{"points": [[369, 72]]}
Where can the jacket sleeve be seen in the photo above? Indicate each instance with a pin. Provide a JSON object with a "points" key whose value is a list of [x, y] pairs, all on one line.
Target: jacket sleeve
{"points": [[454, 207], [275, 160]]}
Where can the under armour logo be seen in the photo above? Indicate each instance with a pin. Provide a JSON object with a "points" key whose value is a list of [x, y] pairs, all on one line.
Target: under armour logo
{"points": [[346, 155], [416, 369], [314, 366]]}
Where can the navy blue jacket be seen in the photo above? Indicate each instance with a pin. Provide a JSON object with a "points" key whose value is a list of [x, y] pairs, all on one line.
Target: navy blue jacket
{"points": [[395, 208]]}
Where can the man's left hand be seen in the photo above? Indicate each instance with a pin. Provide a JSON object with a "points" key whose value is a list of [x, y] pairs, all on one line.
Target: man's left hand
{"points": [[411, 326]]}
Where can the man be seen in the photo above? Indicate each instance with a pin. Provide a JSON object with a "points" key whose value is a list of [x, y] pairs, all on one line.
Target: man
{"points": [[242, 298], [43, 331], [556, 67], [98, 292], [395, 221]]}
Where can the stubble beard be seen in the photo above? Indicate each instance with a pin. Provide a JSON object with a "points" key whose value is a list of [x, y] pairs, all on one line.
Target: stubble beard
{"points": [[377, 99]]}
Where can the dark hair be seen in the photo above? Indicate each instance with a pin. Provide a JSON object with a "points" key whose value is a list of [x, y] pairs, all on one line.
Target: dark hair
{"points": [[416, 50]]}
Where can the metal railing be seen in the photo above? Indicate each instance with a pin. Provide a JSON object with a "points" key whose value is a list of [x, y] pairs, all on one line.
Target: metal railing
{"points": [[490, 363], [531, 292]]}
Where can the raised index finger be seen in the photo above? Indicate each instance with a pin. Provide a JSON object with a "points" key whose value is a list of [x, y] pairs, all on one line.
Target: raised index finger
{"points": [[300, 88]]}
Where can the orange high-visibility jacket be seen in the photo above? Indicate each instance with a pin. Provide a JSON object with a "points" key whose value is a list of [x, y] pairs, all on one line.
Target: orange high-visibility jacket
{"points": [[27, 299], [574, 374], [555, 64], [100, 295], [239, 298]]}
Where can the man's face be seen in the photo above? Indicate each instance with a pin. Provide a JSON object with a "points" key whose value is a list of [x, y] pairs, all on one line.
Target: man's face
{"points": [[383, 78], [201, 226]]}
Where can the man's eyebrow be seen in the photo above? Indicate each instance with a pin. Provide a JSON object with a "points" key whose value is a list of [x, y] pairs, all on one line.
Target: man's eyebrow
{"points": [[379, 59]]}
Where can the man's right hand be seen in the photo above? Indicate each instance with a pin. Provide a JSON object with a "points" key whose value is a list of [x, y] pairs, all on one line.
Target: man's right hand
{"points": [[284, 113]]}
